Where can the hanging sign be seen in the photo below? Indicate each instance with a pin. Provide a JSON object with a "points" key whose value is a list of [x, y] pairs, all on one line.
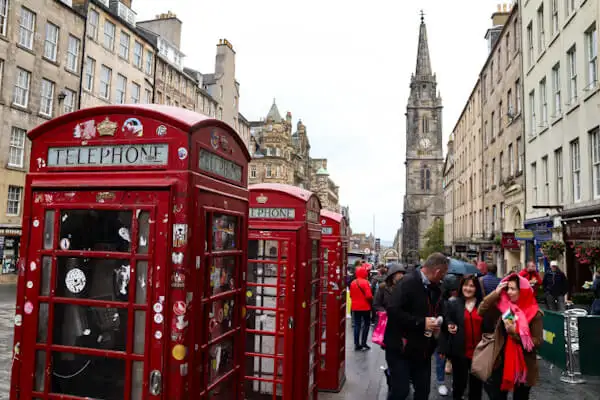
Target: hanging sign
{"points": [[273, 213], [109, 155]]}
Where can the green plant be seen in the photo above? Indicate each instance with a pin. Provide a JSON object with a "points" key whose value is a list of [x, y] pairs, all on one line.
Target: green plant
{"points": [[585, 298], [588, 253], [498, 240], [434, 239], [553, 249]]}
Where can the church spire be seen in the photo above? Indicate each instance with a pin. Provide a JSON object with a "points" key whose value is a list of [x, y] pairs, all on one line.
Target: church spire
{"points": [[423, 61]]}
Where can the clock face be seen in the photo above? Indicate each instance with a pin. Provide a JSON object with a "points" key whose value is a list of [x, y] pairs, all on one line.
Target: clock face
{"points": [[75, 280], [425, 143]]}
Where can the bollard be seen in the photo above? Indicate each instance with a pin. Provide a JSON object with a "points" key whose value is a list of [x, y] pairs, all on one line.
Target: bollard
{"points": [[572, 373]]}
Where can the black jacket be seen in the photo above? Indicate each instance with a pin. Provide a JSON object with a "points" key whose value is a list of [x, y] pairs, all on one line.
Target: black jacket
{"points": [[454, 345], [383, 297], [555, 283], [410, 304]]}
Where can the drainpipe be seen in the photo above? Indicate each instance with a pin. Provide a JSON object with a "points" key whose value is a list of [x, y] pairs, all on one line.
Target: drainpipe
{"points": [[83, 47], [154, 75]]}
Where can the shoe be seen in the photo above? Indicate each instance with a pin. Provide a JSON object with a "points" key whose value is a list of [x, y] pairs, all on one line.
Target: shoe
{"points": [[357, 348], [443, 390], [365, 347]]}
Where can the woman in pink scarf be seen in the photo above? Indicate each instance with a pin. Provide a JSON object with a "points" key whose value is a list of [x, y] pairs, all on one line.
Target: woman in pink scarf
{"points": [[518, 333]]}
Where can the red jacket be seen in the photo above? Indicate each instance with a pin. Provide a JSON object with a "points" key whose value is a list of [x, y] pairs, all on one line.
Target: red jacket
{"points": [[532, 275], [360, 291]]}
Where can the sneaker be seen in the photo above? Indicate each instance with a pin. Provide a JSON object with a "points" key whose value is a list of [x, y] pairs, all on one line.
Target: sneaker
{"points": [[365, 347], [443, 390], [357, 348]]}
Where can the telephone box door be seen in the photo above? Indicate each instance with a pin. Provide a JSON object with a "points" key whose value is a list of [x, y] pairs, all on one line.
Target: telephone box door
{"points": [[270, 315], [93, 308]]}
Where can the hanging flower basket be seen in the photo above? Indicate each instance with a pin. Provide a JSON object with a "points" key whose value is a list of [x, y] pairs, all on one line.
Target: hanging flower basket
{"points": [[588, 253], [553, 249]]}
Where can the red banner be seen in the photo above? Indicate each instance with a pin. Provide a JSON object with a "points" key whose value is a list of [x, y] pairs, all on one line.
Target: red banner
{"points": [[509, 242]]}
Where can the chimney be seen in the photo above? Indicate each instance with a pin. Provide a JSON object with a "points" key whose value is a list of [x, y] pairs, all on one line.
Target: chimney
{"points": [[126, 2], [499, 18], [166, 25], [225, 62]]}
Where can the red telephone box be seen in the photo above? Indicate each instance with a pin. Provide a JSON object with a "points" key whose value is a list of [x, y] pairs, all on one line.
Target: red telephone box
{"points": [[282, 298], [134, 248], [334, 245]]}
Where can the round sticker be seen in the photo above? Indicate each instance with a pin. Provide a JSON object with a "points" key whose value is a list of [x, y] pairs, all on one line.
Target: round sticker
{"points": [[75, 280], [179, 352], [29, 285], [157, 307], [28, 307], [36, 223], [18, 320], [158, 335], [248, 294], [161, 130], [32, 266], [158, 318], [182, 153], [65, 244], [303, 304], [179, 308]]}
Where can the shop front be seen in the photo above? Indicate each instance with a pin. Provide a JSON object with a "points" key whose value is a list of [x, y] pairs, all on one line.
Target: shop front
{"points": [[541, 229], [512, 253], [9, 249], [334, 247], [581, 229], [130, 277], [283, 293]]}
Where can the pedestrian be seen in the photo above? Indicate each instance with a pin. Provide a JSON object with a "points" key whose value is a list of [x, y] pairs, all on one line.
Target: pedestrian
{"points": [[596, 291], [377, 278], [518, 334], [555, 286], [362, 299], [383, 295], [490, 281], [450, 286], [412, 328], [461, 335], [531, 274]]}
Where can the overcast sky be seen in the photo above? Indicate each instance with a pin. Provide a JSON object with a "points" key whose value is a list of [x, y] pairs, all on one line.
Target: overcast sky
{"points": [[343, 67]]}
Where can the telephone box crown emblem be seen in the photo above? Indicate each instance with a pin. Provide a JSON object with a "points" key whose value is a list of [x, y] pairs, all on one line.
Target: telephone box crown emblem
{"points": [[107, 127], [262, 199]]}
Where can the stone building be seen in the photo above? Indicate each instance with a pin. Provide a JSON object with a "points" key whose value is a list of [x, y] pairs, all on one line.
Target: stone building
{"points": [[560, 108], [280, 156], [448, 185], [119, 59], [40, 66], [423, 202]]}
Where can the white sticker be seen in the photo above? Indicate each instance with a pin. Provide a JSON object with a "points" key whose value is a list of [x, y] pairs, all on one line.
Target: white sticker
{"points": [[32, 266], [177, 258], [36, 223], [180, 235], [158, 318], [161, 130], [182, 153], [18, 320], [158, 335], [197, 262], [75, 280], [29, 285], [124, 233], [28, 308], [65, 244], [157, 307]]}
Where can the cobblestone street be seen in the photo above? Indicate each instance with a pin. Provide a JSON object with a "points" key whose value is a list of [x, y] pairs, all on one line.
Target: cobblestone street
{"points": [[7, 312]]}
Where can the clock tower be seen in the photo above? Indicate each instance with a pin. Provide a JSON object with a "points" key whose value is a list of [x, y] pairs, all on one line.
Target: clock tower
{"points": [[423, 200]]}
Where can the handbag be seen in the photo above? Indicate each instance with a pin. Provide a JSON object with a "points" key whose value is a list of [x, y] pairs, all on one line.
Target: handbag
{"points": [[379, 331], [483, 357]]}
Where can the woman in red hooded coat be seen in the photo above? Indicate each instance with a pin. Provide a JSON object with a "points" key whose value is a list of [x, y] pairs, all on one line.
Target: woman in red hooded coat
{"points": [[362, 299]]}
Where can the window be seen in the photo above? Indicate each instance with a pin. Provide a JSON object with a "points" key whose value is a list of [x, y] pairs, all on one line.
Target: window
{"points": [[73, 53], [492, 123], [148, 96], [124, 46], [572, 65], [576, 170], [425, 179], [51, 42], [507, 45], [21, 93], [545, 180], [26, 28], [90, 71], [518, 94], [16, 149], [3, 16], [500, 166], [494, 175], [534, 187], [569, 7], [138, 50], [510, 111], [135, 93], [69, 101], [556, 107], [554, 20], [120, 89], [532, 120], [485, 133], [591, 41], [425, 124], [543, 103], [149, 62], [492, 76], [511, 160], [47, 97], [530, 44], [500, 125], [268, 171], [109, 35], [105, 78], [595, 139], [541, 33], [93, 22], [558, 165], [253, 171], [519, 156], [13, 206]]}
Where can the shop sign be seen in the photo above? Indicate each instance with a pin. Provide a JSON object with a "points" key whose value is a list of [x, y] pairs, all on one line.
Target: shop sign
{"points": [[214, 164], [109, 155], [542, 231], [509, 241], [327, 230], [524, 234], [459, 248], [273, 213], [312, 216], [10, 232], [584, 229]]}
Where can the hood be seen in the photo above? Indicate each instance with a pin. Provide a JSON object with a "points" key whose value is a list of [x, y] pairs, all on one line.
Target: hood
{"points": [[361, 273], [393, 268]]}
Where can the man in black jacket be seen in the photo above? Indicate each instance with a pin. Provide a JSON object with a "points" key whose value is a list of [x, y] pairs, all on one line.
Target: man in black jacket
{"points": [[410, 336]]}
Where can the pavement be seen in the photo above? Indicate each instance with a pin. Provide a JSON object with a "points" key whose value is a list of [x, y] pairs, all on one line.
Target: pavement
{"points": [[7, 318]]}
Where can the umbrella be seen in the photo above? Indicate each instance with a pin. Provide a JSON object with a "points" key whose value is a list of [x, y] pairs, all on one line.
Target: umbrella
{"points": [[458, 267]]}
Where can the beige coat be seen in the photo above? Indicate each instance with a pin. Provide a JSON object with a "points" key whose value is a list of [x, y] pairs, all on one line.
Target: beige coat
{"points": [[536, 326]]}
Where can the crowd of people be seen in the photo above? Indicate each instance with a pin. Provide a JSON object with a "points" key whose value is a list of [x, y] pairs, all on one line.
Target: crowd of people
{"points": [[484, 330]]}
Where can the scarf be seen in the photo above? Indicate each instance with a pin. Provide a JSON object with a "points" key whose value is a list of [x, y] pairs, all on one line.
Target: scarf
{"points": [[515, 369]]}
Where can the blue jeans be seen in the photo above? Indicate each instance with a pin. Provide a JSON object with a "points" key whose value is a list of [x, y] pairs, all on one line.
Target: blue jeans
{"points": [[362, 323], [440, 368]]}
